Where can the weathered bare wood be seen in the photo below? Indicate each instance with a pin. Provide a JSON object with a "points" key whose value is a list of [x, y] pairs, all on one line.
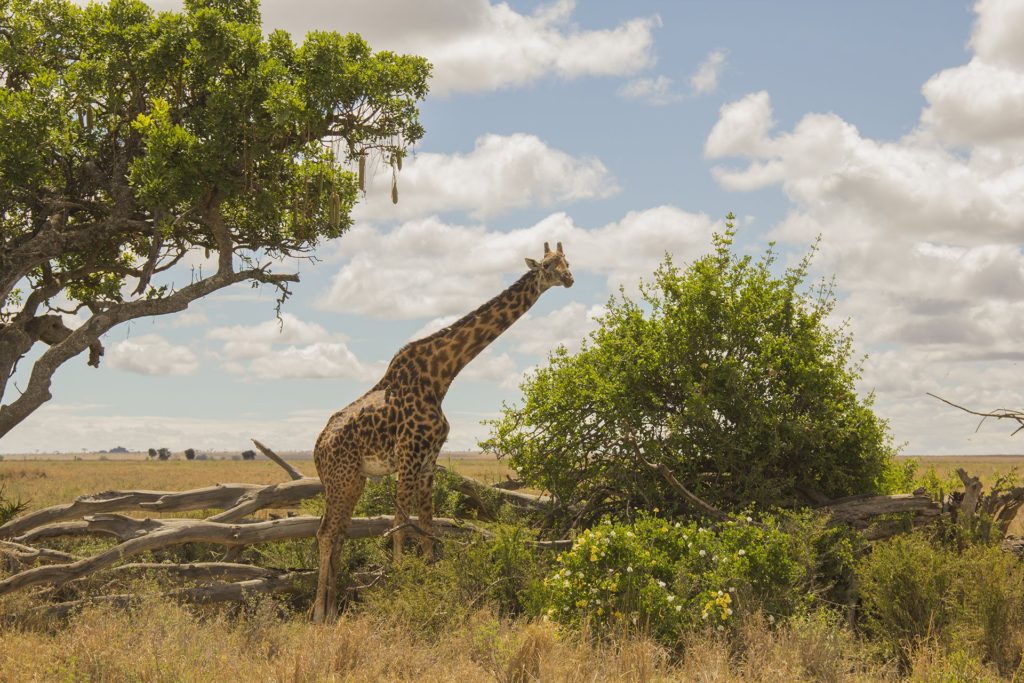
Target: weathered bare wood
{"points": [[199, 571], [292, 472], [236, 501], [972, 495], [168, 532], [286, 494], [218, 496], [678, 487], [859, 510], [292, 582], [474, 489], [120, 527], [17, 555]]}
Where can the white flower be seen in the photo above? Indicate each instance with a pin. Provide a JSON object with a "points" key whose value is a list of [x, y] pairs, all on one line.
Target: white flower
{"points": [[612, 533], [629, 534], [750, 519], [721, 628], [741, 552], [702, 553], [732, 590], [661, 583], [771, 619], [719, 593], [629, 568], [671, 598], [679, 607], [728, 610]]}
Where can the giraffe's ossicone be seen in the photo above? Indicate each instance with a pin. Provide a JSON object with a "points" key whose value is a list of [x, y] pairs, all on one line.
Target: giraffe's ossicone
{"points": [[398, 426]]}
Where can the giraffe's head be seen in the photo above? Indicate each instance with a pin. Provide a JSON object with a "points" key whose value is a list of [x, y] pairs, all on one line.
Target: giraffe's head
{"points": [[553, 268]]}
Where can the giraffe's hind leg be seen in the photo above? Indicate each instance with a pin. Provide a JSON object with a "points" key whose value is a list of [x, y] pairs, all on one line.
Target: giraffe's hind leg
{"points": [[341, 497]]}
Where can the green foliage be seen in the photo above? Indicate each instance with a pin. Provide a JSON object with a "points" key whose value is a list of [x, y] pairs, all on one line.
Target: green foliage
{"points": [[724, 372], [136, 134], [10, 508], [503, 573], [379, 498], [667, 577], [915, 591]]}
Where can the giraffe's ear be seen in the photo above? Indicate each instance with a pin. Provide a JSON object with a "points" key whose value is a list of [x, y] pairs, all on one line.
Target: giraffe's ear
{"points": [[533, 265]]}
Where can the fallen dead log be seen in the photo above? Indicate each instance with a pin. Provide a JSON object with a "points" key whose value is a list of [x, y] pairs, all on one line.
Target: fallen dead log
{"points": [[860, 510], [17, 555], [198, 571], [168, 532], [292, 582], [236, 501], [218, 496]]}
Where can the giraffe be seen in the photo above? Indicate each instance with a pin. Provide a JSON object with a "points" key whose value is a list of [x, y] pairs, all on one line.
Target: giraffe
{"points": [[398, 425]]}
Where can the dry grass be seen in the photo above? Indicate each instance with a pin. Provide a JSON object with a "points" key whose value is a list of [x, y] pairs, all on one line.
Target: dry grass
{"points": [[160, 641], [988, 467]]}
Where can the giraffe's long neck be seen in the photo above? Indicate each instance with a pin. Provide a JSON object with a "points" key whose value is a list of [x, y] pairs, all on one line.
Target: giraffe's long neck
{"points": [[441, 356]]}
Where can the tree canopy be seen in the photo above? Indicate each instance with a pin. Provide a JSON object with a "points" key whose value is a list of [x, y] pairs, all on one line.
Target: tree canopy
{"points": [[728, 375], [135, 141]]}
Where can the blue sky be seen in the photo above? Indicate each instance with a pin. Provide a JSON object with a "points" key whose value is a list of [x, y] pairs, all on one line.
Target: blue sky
{"points": [[626, 130]]}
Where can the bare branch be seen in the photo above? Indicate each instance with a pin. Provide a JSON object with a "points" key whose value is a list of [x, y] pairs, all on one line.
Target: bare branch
{"points": [[290, 469], [38, 390], [998, 414]]}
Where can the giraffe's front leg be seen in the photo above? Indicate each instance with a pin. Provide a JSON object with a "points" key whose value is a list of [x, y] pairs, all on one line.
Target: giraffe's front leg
{"points": [[403, 505], [425, 494]]}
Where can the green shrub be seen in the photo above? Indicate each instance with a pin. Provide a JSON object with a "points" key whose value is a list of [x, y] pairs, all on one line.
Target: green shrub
{"points": [[9, 508], [503, 573], [727, 373], [989, 615], [915, 591], [666, 577], [904, 585]]}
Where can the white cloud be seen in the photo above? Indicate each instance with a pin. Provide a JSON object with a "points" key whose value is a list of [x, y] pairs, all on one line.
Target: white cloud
{"points": [[657, 91], [705, 79], [428, 268], [151, 354], [478, 46], [493, 367], [295, 349], [567, 326], [502, 172], [980, 102], [924, 238], [321, 360]]}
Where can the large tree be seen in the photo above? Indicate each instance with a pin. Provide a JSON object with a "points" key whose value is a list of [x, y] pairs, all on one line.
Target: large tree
{"points": [[133, 141], [726, 374]]}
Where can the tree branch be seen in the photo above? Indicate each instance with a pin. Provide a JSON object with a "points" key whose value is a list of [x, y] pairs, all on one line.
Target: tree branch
{"points": [[38, 390]]}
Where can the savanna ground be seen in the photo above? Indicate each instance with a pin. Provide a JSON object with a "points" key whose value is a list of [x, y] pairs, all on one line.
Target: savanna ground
{"points": [[401, 632]]}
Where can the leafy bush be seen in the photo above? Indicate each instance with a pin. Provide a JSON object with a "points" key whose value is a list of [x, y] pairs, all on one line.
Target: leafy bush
{"points": [[667, 577], [724, 372], [914, 591], [9, 508], [503, 573]]}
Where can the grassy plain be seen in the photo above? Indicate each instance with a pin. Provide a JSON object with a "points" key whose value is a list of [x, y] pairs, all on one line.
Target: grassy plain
{"points": [[987, 467], [53, 481], [270, 640]]}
